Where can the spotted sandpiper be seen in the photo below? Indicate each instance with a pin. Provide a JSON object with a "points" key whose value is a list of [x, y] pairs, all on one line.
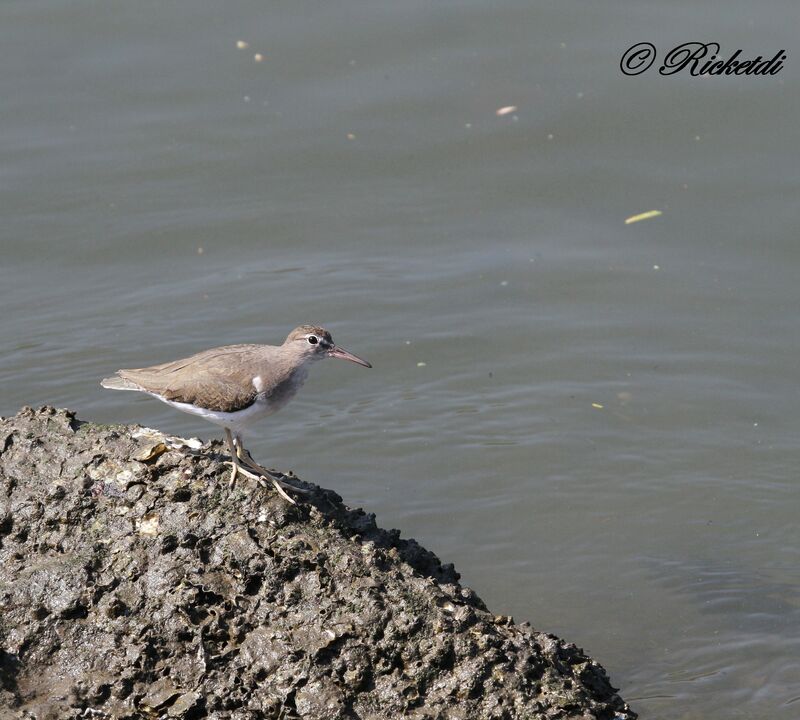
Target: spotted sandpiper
{"points": [[235, 385]]}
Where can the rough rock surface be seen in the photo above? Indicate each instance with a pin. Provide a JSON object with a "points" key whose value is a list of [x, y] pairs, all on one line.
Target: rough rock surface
{"points": [[135, 584]]}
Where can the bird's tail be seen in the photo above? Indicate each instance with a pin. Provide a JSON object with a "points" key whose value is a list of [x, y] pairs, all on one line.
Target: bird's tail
{"points": [[119, 383]]}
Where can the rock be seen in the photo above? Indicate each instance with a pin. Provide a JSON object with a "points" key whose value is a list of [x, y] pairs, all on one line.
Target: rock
{"points": [[135, 584]]}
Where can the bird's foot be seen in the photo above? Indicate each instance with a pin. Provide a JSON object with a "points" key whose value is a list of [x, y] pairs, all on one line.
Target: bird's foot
{"points": [[264, 478], [247, 459], [238, 469]]}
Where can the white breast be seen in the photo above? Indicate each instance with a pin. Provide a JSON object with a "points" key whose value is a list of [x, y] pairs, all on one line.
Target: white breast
{"points": [[237, 421]]}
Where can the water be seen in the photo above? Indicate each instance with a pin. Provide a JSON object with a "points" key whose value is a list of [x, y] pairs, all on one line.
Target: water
{"points": [[162, 192]]}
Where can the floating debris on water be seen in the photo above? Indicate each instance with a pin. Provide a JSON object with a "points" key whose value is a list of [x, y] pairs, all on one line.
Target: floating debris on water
{"points": [[643, 216], [242, 44], [597, 405], [505, 110]]}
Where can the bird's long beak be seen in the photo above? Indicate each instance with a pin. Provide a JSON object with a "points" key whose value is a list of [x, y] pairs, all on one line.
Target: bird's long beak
{"points": [[338, 352]]}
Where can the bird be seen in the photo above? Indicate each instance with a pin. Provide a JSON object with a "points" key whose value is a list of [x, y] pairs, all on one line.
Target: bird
{"points": [[236, 385]]}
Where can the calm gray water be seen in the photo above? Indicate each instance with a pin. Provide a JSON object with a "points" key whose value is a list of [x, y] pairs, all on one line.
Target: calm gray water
{"points": [[162, 192]]}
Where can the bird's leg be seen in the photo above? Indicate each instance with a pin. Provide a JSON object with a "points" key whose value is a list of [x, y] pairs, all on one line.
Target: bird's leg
{"points": [[247, 459], [234, 458], [235, 466]]}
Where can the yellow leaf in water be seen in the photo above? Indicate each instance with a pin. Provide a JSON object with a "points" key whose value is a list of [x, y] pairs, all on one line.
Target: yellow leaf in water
{"points": [[643, 216], [597, 405]]}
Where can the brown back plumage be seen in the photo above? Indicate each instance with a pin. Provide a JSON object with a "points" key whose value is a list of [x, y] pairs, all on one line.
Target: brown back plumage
{"points": [[219, 379]]}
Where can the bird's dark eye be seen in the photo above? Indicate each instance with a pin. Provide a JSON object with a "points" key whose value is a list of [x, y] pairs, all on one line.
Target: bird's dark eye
{"points": [[313, 339]]}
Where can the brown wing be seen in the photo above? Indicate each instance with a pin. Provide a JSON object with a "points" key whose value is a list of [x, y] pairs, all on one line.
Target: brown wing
{"points": [[220, 379]]}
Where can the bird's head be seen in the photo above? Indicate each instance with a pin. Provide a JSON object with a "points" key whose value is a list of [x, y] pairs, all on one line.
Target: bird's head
{"points": [[315, 343]]}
